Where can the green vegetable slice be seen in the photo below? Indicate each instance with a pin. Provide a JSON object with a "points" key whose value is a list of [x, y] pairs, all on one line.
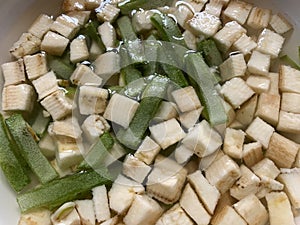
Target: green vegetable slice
{"points": [[127, 6], [151, 50], [90, 30], [57, 192], [176, 75], [126, 29], [62, 69], [133, 45], [13, 170], [23, 137], [40, 123], [168, 29], [97, 154], [151, 99], [210, 52], [201, 74], [286, 59]]}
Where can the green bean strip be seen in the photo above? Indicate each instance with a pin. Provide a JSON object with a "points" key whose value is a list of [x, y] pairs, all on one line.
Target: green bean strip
{"points": [[57, 192], [126, 29], [201, 74], [97, 154], [22, 135], [175, 74], [61, 68], [151, 99], [131, 74], [9, 162], [151, 49]]}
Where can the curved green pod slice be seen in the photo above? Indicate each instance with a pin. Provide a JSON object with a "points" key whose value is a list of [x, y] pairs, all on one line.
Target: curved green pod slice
{"points": [[29, 149], [204, 79], [57, 192], [98, 153], [151, 99], [127, 6], [13, 170], [168, 29]]}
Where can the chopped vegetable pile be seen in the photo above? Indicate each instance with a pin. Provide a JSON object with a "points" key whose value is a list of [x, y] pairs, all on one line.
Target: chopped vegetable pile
{"points": [[160, 112]]}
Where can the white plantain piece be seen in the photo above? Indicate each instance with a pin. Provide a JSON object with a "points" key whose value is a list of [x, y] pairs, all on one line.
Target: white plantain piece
{"points": [[108, 35], [135, 169], [101, 204], [84, 75], [259, 18], [121, 117], [54, 44], [238, 11], [252, 210], [18, 98], [202, 139], [36, 217], [13, 72], [93, 127], [85, 209], [92, 100], [45, 85], [166, 180], [144, 210], [175, 216], [280, 211], [167, 133], [66, 26], [227, 216], [122, 194], [147, 151], [223, 173], [193, 207], [57, 105], [35, 65], [41, 26], [26, 45], [208, 194], [282, 151]]}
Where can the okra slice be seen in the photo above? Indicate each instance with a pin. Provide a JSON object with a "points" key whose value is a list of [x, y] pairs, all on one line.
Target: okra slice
{"points": [[157, 87], [210, 52], [205, 80], [288, 61], [40, 123], [127, 6], [90, 30], [97, 154], [175, 74], [151, 99], [132, 43], [167, 29], [130, 74], [13, 170], [61, 67], [126, 29], [151, 49], [57, 192], [22, 134]]}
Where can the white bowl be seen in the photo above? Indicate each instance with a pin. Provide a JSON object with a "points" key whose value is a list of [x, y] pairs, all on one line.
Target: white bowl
{"points": [[17, 15]]}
